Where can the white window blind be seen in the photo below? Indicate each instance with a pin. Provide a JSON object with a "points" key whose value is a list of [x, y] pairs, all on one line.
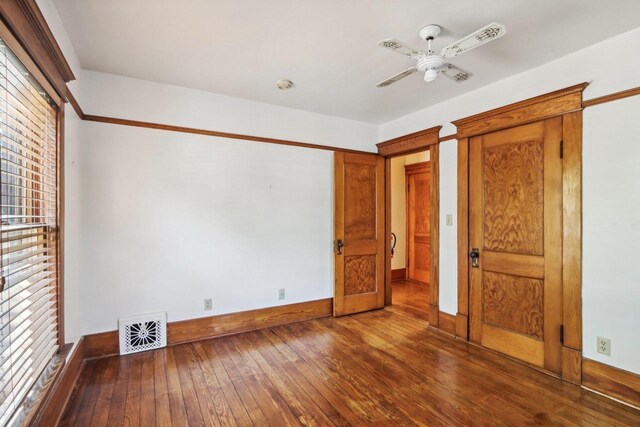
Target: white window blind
{"points": [[28, 238]]}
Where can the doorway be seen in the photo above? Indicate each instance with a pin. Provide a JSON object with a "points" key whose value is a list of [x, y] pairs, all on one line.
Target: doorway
{"points": [[410, 195]]}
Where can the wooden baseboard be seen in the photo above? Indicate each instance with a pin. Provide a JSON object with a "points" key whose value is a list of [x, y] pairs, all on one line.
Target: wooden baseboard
{"points": [[618, 383], [399, 274], [60, 392], [106, 343], [447, 322]]}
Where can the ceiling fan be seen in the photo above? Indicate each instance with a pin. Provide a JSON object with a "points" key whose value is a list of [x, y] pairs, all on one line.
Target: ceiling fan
{"points": [[432, 64]]}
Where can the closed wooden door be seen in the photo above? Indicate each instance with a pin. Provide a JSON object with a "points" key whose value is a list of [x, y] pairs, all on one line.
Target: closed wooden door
{"points": [[515, 220], [359, 233], [418, 202]]}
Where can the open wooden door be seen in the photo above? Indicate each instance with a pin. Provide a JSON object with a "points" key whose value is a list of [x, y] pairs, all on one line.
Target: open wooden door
{"points": [[418, 179], [359, 233], [515, 237]]}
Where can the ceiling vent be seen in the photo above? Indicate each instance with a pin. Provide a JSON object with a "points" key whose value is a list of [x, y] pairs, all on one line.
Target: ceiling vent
{"points": [[141, 333]]}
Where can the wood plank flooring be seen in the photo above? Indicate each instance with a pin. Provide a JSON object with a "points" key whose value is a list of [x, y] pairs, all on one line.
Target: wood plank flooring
{"points": [[411, 298], [383, 367]]}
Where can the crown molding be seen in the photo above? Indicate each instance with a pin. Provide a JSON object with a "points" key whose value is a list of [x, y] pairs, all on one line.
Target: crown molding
{"points": [[410, 143], [28, 25]]}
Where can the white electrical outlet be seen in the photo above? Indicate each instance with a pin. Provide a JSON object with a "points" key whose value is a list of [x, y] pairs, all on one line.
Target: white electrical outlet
{"points": [[208, 304], [449, 220], [604, 346], [280, 293]]}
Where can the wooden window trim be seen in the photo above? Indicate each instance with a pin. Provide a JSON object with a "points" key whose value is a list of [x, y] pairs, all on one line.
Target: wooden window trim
{"points": [[28, 25], [568, 104]]}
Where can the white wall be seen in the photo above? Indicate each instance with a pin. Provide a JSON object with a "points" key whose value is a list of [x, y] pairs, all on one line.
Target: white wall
{"points": [[169, 219], [611, 230], [594, 65], [123, 97]]}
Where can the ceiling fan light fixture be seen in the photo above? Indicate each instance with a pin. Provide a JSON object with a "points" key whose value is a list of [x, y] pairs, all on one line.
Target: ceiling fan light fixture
{"points": [[430, 75]]}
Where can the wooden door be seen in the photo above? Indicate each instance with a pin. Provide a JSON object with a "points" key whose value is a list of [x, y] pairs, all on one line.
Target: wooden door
{"points": [[359, 233], [418, 202], [515, 220]]}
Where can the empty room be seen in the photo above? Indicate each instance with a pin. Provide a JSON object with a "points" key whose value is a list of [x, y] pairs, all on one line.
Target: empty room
{"points": [[324, 213]]}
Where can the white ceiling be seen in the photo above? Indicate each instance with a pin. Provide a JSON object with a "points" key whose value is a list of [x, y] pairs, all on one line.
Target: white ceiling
{"points": [[328, 47]]}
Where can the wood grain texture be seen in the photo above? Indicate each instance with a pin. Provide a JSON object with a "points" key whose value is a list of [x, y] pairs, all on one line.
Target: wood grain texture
{"points": [[61, 390], [513, 264], [360, 205], [360, 223], [447, 323], [530, 110], [411, 298], [378, 368], [462, 326], [513, 184], [411, 143], [106, 343], [513, 303], [28, 26], [621, 384], [572, 230], [611, 97], [434, 217], [463, 233], [418, 222], [359, 274], [388, 293], [571, 365], [516, 298]]}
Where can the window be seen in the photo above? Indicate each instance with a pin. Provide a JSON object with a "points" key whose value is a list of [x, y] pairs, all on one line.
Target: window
{"points": [[28, 231]]}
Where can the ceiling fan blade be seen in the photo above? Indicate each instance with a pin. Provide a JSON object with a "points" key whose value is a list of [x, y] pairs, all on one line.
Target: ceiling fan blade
{"points": [[397, 46], [401, 75], [454, 73], [483, 35]]}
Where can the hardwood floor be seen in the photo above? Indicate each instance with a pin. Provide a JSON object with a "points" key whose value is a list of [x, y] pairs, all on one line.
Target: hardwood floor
{"points": [[384, 367], [411, 298]]}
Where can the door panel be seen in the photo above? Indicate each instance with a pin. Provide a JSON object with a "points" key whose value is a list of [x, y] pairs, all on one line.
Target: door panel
{"points": [[515, 219], [418, 178], [359, 227]]}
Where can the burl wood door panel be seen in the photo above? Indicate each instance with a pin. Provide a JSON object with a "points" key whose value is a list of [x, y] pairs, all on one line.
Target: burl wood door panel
{"points": [[359, 233], [418, 179], [515, 218]]}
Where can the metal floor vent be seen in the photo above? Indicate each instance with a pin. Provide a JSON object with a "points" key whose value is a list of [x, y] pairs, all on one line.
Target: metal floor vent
{"points": [[140, 333]]}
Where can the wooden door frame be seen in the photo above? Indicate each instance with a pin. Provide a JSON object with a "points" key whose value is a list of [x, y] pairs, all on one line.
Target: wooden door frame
{"points": [[427, 139], [413, 169], [566, 103]]}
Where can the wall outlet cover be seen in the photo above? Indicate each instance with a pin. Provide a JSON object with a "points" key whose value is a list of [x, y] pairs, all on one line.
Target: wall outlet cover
{"points": [[280, 293], [208, 304], [604, 346]]}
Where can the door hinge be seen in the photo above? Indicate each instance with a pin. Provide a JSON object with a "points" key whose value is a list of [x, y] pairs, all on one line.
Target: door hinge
{"points": [[562, 149], [562, 334]]}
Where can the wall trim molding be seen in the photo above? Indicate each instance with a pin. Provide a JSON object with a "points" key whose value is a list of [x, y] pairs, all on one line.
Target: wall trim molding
{"points": [[60, 392], [611, 97], [28, 25], [529, 110], [218, 134], [202, 328], [611, 381], [410, 143]]}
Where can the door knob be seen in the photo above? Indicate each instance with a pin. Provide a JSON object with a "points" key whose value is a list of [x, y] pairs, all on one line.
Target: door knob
{"points": [[475, 258], [339, 245]]}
